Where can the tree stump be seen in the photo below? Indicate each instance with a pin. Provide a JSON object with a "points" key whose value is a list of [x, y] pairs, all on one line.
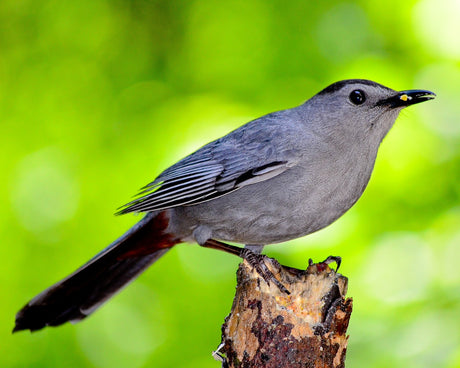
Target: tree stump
{"points": [[269, 328]]}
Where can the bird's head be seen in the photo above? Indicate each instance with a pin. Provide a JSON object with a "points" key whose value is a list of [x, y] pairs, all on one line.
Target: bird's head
{"points": [[360, 108]]}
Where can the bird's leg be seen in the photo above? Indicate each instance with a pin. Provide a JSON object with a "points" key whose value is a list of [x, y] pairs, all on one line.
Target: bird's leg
{"points": [[257, 261], [256, 248]]}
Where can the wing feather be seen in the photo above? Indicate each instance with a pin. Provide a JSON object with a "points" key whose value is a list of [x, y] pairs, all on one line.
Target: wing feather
{"points": [[258, 151], [176, 188]]}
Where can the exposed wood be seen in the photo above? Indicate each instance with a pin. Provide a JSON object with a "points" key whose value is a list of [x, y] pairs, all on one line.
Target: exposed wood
{"points": [[269, 328]]}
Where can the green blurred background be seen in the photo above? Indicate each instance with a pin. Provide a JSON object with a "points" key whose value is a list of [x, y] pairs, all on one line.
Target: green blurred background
{"points": [[98, 97]]}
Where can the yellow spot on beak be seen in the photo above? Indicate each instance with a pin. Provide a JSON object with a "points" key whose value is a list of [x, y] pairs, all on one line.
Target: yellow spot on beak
{"points": [[404, 97]]}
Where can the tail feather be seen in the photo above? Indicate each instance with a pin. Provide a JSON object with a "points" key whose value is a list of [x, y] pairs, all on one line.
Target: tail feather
{"points": [[82, 292]]}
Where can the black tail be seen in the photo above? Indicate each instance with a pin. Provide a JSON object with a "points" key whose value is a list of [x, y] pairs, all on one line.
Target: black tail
{"points": [[82, 292]]}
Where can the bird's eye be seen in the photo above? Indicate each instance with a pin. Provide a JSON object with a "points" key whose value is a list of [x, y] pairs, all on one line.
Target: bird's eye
{"points": [[357, 97]]}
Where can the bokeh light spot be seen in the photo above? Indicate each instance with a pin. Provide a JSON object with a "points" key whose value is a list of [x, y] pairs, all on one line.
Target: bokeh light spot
{"points": [[441, 115], [44, 193], [437, 25], [344, 32], [422, 341], [393, 270], [124, 332], [215, 35]]}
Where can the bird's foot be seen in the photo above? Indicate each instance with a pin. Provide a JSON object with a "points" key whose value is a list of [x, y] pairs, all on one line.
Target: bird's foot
{"points": [[328, 261], [257, 261]]}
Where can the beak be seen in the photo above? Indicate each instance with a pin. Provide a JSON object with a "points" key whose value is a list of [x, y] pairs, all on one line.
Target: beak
{"points": [[407, 98]]}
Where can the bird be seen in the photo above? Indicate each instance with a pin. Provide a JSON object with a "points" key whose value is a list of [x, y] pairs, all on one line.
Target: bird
{"points": [[279, 177]]}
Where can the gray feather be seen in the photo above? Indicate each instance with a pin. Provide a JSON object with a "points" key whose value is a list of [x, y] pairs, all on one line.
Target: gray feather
{"points": [[246, 156]]}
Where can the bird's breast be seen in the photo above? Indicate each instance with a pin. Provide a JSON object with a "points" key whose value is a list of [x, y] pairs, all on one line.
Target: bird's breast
{"points": [[302, 200]]}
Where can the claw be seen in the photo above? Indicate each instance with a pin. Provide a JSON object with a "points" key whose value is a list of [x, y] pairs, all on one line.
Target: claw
{"points": [[332, 259], [328, 261]]}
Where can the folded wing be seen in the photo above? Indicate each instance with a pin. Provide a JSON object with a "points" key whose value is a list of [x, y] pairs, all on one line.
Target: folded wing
{"points": [[244, 157]]}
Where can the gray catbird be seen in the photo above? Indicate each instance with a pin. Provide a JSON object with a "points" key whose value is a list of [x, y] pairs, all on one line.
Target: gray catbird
{"points": [[279, 177]]}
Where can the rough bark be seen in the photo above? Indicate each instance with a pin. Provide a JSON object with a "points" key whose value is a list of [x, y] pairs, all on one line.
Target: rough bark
{"points": [[269, 328]]}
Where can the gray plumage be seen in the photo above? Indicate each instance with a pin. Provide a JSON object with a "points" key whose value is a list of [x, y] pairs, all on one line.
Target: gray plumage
{"points": [[279, 177]]}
